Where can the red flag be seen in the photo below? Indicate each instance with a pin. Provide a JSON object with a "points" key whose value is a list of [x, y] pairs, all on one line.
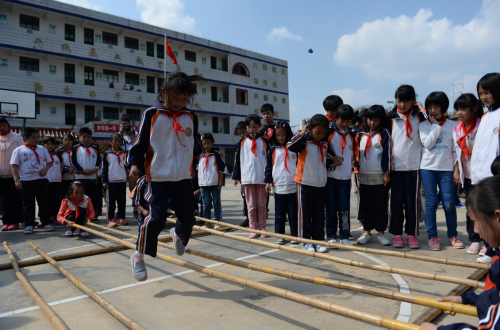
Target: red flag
{"points": [[171, 54]]}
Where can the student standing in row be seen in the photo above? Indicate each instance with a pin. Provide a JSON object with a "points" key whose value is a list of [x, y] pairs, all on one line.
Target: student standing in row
{"points": [[65, 153], [54, 175]]}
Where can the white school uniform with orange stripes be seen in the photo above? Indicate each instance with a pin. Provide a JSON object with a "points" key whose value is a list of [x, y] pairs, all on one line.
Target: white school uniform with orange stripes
{"points": [[282, 167], [85, 158], [250, 160], [342, 144], [113, 169], [54, 174], [374, 153], [209, 168], [66, 159]]}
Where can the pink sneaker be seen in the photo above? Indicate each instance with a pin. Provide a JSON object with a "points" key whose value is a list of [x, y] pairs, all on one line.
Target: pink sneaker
{"points": [[412, 242], [455, 242], [474, 248], [397, 241], [434, 244], [123, 222], [14, 226], [253, 235], [483, 251], [112, 223], [4, 228]]}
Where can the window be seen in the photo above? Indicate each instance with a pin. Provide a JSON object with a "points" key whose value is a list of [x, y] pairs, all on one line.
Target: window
{"points": [[150, 49], [134, 114], [241, 69], [89, 113], [241, 96], [109, 38], [131, 43], [69, 73], [214, 93], [69, 32], [189, 56], [224, 64], [226, 125], [29, 22], [110, 75], [160, 51], [150, 84], [225, 95], [213, 62], [215, 125], [160, 82], [88, 36], [110, 113], [131, 78], [29, 64], [70, 114], [37, 107], [89, 76]]}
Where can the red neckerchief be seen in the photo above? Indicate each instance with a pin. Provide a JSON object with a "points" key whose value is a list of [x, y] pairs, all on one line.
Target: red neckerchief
{"points": [[322, 149], [52, 154], [117, 154], [254, 145], [286, 156], [369, 143], [177, 125], [344, 140], [360, 127], [34, 150], [443, 120], [88, 150], [206, 161], [462, 141], [3, 134], [329, 119], [408, 127], [77, 208]]}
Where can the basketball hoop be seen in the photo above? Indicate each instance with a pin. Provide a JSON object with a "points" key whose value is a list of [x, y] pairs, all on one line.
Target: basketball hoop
{"points": [[10, 114]]}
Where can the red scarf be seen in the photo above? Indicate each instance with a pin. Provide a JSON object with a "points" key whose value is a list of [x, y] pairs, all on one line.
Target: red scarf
{"points": [[254, 145], [88, 150], [286, 156], [408, 127], [462, 141], [443, 120], [207, 156], [177, 125], [344, 141], [3, 134], [52, 154], [322, 149], [369, 143], [329, 119], [34, 150], [360, 127], [77, 208], [118, 154]]}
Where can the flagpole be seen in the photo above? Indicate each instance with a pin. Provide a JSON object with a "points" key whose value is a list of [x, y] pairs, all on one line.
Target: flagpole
{"points": [[165, 58]]}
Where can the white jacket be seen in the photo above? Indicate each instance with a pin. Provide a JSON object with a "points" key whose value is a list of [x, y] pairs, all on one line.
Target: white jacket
{"points": [[209, 176], [486, 146], [54, 174], [438, 152], [344, 171], [250, 168], [457, 133], [378, 155], [276, 173], [113, 167], [8, 143]]}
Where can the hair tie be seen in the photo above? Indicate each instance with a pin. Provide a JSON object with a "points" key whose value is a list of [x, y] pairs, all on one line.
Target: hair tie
{"points": [[283, 124], [77, 182]]}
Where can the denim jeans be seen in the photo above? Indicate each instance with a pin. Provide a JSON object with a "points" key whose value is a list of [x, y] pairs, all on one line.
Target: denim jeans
{"points": [[338, 194], [208, 194], [443, 179]]}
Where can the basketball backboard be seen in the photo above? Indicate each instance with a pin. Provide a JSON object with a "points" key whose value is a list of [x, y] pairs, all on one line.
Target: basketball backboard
{"points": [[22, 102]]}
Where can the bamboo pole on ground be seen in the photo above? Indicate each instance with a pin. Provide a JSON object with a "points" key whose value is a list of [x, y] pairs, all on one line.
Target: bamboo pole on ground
{"points": [[388, 269], [290, 295], [53, 317], [128, 322], [439, 260], [394, 295]]}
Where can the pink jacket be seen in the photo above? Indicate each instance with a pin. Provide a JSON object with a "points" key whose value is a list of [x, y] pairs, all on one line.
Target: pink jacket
{"points": [[68, 208], [8, 143]]}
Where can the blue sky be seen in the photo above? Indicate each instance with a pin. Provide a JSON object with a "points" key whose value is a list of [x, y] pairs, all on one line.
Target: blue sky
{"points": [[363, 50]]}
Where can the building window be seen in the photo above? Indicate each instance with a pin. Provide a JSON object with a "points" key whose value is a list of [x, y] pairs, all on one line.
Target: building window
{"points": [[214, 93], [29, 64], [29, 22], [69, 73], [89, 113], [160, 82], [131, 43], [110, 75], [89, 76], [110, 113], [215, 125], [213, 62], [241, 69], [134, 114], [109, 38], [242, 96], [70, 114], [37, 107], [69, 32], [88, 36], [150, 49], [131, 78], [225, 95], [160, 51], [190, 56], [150, 84], [226, 125], [224, 64]]}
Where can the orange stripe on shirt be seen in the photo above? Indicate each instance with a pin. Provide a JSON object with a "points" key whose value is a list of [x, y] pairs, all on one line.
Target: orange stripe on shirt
{"points": [[151, 152]]}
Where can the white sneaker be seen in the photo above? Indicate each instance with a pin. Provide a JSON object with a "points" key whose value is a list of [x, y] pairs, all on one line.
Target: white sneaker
{"points": [[365, 238], [345, 242], [332, 240], [308, 247], [485, 259], [321, 248], [383, 240], [422, 225], [217, 227]]}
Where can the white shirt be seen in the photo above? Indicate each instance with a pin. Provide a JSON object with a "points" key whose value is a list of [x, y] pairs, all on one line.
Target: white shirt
{"points": [[438, 151], [54, 174], [486, 146], [8, 143], [29, 166]]}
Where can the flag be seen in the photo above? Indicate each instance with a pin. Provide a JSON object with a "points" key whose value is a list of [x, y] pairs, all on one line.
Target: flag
{"points": [[171, 54]]}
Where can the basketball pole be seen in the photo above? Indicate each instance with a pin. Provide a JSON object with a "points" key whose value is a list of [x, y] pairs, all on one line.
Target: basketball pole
{"points": [[23, 127]]}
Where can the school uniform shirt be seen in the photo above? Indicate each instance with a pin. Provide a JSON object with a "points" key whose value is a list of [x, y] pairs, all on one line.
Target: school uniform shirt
{"points": [[85, 158], [138, 195], [29, 164], [486, 146], [342, 144], [462, 158], [406, 145], [165, 144], [250, 160], [313, 161], [209, 167], [54, 174], [128, 141], [67, 207], [66, 159], [281, 167], [438, 152], [374, 152], [113, 166], [8, 142]]}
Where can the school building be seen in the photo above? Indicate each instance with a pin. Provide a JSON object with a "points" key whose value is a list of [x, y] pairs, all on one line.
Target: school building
{"points": [[89, 68]]}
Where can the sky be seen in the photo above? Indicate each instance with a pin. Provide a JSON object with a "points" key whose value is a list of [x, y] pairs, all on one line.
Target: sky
{"points": [[362, 50]]}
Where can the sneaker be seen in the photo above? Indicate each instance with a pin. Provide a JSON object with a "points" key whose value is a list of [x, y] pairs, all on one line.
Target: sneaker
{"points": [[398, 242], [14, 226], [4, 228], [434, 244], [332, 240], [280, 241], [474, 248], [22, 225], [345, 242], [455, 242], [383, 240], [460, 206], [96, 220], [136, 214], [263, 235], [69, 233], [217, 226], [440, 204], [138, 269], [206, 225], [123, 222], [483, 251], [112, 223], [485, 259], [84, 234], [245, 223], [28, 230], [253, 235], [49, 228], [412, 242], [294, 242], [309, 247], [365, 238], [361, 225], [422, 225], [351, 237], [320, 248], [178, 246]]}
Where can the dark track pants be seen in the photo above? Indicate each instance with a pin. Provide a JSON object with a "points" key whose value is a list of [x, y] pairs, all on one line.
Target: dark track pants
{"points": [[11, 198], [469, 224], [91, 191], [116, 194], [285, 204], [311, 212], [405, 191], [79, 221], [373, 206], [55, 199], [39, 190], [64, 188]]}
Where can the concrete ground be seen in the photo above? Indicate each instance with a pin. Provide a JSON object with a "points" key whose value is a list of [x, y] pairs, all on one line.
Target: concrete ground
{"points": [[174, 297]]}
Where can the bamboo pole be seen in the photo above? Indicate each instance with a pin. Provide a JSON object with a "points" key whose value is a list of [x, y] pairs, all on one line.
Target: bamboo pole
{"points": [[53, 317], [439, 260], [128, 322], [394, 295], [290, 295], [388, 269]]}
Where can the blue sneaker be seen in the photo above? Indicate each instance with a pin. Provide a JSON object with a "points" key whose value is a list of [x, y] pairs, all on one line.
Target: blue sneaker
{"points": [[49, 228], [308, 247], [280, 241], [178, 246], [460, 206], [28, 230]]}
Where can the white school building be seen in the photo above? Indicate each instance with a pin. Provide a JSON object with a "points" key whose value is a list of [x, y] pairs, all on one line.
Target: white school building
{"points": [[89, 68]]}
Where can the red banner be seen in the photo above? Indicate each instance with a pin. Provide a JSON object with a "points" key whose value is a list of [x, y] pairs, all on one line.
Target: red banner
{"points": [[110, 128]]}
